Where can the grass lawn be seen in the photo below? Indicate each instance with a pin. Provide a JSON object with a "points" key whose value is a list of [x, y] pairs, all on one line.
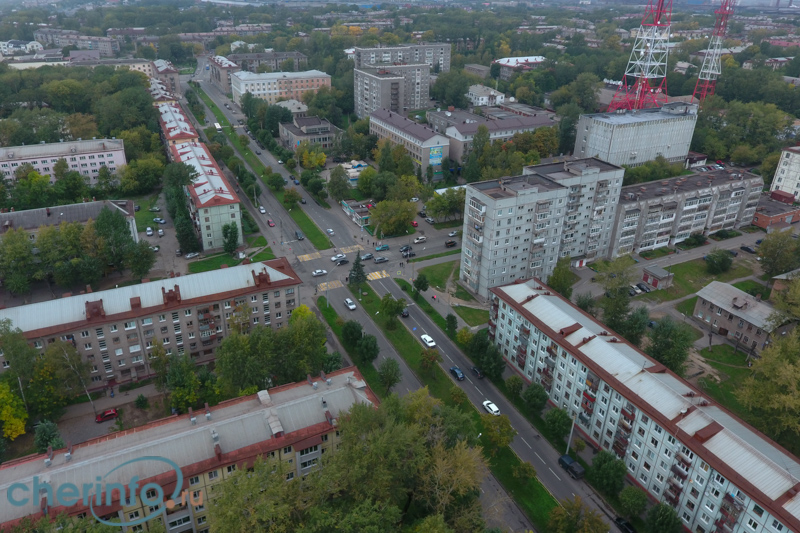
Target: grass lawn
{"points": [[752, 229], [256, 241], [462, 293], [687, 306], [692, 276], [449, 224], [311, 231], [263, 255], [753, 288], [732, 377], [454, 251], [472, 316], [602, 265], [438, 274], [658, 252], [355, 194], [213, 263], [143, 217]]}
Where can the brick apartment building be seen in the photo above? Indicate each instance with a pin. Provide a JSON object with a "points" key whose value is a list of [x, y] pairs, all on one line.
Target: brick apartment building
{"points": [[107, 46], [770, 212]]}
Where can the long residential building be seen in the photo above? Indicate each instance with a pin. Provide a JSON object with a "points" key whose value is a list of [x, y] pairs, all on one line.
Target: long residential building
{"points": [[275, 86], [166, 73], [511, 65], [426, 147], [273, 60], [175, 128], [396, 87], [634, 137], [518, 227], [313, 130], [462, 135], [31, 220], [679, 445], [787, 175], [140, 65], [114, 330], [85, 157], [292, 425], [221, 69], [61, 38], [663, 213], [212, 201], [435, 55]]}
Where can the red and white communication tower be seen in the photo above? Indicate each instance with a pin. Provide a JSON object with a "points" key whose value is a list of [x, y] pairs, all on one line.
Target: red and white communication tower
{"points": [[645, 82], [712, 65]]}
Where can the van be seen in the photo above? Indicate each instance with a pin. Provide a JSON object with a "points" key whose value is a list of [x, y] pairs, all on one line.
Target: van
{"points": [[299, 235], [573, 467]]}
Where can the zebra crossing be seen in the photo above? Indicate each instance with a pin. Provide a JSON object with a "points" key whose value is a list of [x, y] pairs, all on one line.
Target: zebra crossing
{"points": [[348, 249], [374, 276], [324, 286], [308, 257]]}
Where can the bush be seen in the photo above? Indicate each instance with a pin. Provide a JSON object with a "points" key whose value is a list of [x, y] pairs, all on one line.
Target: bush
{"points": [[47, 435], [142, 402]]}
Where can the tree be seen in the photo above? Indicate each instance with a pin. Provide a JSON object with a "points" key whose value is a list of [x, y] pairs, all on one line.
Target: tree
{"points": [[524, 470], [391, 217], [670, 342], [333, 362], [159, 364], [367, 349], [572, 516], [636, 325], [498, 430], [558, 422], [291, 164], [514, 385], [112, 227], [632, 501], [562, 278], [430, 360], [389, 373], [12, 413], [244, 140], [187, 238], [291, 197], [141, 259], [718, 261], [338, 184], [492, 363], [535, 398], [607, 473], [391, 308], [72, 370], [47, 435], [458, 395], [420, 285], [779, 253], [357, 276], [230, 237], [275, 181], [451, 325], [586, 302], [182, 383], [463, 336], [351, 333], [662, 518]]}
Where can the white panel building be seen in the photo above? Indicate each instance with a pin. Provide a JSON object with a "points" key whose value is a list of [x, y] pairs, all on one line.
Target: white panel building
{"points": [[85, 157], [787, 175]]}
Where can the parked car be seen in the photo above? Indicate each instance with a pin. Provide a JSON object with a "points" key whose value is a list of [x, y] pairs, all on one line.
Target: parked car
{"points": [[643, 287], [149, 231], [429, 220], [450, 243], [178, 252], [137, 208], [105, 416], [748, 249], [351, 305], [420, 239], [280, 162], [632, 292], [296, 182], [270, 223], [367, 256], [262, 210], [159, 220], [457, 373], [636, 289], [453, 233], [329, 231], [404, 314], [573, 467], [302, 200], [258, 152], [337, 257], [155, 209], [423, 214], [405, 248], [415, 199], [409, 253], [414, 223], [160, 232], [734, 253], [192, 255], [319, 272], [381, 260], [381, 247], [341, 262], [491, 408], [155, 248], [759, 241], [299, 235], [428, 341], [624, 525], [477, 371], [652, 324]]}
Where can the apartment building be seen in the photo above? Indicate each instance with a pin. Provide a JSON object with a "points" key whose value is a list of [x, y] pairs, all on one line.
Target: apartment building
{"points": [[220, 69], [787, 175], [397, 88], [107, 46], [512, 230], [85, 157], [439, 121], [274, 60], [426, 147], [511, 65], [175, 127], [662, 213], [682, 447], [479, 70], [158, 91], [115, 329], [481, 95], [462, 135], [30, 220], [165, 72], [144, 66], [276, 86], [14, 47], [51, 35], [634, 137], [314, 130], [212, 201], [435, 55], [293, 424]]}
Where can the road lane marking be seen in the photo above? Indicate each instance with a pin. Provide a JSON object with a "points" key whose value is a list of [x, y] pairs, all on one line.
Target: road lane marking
{"points": [[479, 391], [526, 443], [537, 455], [558, 478], [451, 360]]}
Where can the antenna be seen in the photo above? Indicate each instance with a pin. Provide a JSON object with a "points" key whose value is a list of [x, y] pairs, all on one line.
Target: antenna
{"points": [[712, 65]]}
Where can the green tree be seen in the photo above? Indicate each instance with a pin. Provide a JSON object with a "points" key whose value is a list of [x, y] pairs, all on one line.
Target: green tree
{"points": [[182, 383], [291, 164], [389, 373], [140, 259], [463, 336], [72, 370], [275, 181], [333, 362], [351, 333], [636, 325], [12, 414], [112, 227], [718, 261], [357, 276], [244, 140], [291, 197], [338, 184], [230, 237], [390, 308], [607, 473], [367, 349], [498, 430], [779, 253], [586, 302], [562, 278], [572, 516], [187, 238], [632, 501], [391, 217], [159, 364], [47, 435], [420, 285], [661, 518], [451, 325], [535, 398], [430, 360], [514, 385], [558, 422], [670, 342], [16, 260]]}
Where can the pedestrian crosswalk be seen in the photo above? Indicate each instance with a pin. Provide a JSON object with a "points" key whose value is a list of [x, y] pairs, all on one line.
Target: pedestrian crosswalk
{"points": [[373, 276], [308, 257], [348, 249], [335, 284]]}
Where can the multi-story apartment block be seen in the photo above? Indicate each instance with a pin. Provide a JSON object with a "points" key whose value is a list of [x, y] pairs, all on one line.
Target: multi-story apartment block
{"points": [[435, 55], [591, 207], [107, 46], [684, 449], [51, 35], [426, 147], [312, 129], [212, 201], [273, 60], [14, 47], [461, 135], [292, 425], [397, 88], [511, 65], [158, 91], [165, 72], [632, 138], [144, 66], [221, 69], [787, 175], [30, 220], [85, 157], [175, 127], [481, 95], [662, 213], [276, 86], [512, 229], [115, 330]]}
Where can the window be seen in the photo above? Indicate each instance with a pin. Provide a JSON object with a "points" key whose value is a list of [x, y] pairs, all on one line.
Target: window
{"points": [[287, 449], [133, 516], [231, 469], [758, 510], [752, 524], [194, 480], [201, 520], [214, 474], [309, 450], [777, 526]]}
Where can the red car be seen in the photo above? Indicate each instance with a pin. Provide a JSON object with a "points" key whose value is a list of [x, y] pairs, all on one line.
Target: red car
{"points": [[270, 223], [109, 414], [414, 223]]}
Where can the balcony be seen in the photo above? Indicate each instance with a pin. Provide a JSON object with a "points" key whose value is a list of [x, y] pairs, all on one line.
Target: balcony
{"points": [[679, 472], [628, 414]]}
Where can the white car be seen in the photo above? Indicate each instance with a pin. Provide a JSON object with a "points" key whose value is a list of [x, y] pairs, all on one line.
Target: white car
{"points": [[149, 232], [415, 199], [428, 341], [329, 231], [491, 408], [262, 210], [280, 162], [420, 239], [319, 272], [337, 257], [351, 305], [160, 232], [453, 234]]}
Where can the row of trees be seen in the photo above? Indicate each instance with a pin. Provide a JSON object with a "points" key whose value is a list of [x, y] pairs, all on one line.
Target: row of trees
{"points": [[491, 160], [176, 177]]}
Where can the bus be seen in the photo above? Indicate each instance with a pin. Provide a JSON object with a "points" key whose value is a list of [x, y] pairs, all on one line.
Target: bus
{"points": [[219, 128]]}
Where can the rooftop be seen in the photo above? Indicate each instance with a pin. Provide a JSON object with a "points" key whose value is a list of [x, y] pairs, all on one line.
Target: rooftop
{"points": [[455, 116], [267, 55], [483, 90], [50, 216], [669, 111], [768, 206], [163, 66], [738, 302], [512, 123], [698, 183], [60, 149], [210, 187], [267, 76], [417, 131], [522, 60], [512, 186], [567, 169], [295, 106], [174, 123], [250, 425], [223, 62]]}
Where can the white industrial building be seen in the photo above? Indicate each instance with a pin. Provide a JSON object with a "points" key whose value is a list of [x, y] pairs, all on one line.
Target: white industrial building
{"points": [[632, 138]]}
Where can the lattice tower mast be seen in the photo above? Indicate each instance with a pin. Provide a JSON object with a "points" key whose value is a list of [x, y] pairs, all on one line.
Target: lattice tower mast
{"points": [[644, 84], [712, 64]]}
